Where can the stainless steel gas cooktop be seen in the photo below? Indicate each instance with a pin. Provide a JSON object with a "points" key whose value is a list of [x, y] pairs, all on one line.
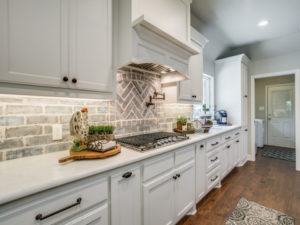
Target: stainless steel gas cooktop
{"points": [[149, 141]]}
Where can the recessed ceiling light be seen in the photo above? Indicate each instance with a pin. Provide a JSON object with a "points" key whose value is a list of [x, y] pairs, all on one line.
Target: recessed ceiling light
{"points": [[263, 23]]}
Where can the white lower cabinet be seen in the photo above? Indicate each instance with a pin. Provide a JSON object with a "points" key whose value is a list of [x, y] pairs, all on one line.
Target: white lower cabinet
{"points": [[184, 189], [224, 161], [126, 197], [170, 195], [159, 200], [200, 171], [83, 202]]}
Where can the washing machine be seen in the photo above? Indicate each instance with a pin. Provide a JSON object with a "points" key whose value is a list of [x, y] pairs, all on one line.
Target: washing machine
{"points": [[259, 133]]}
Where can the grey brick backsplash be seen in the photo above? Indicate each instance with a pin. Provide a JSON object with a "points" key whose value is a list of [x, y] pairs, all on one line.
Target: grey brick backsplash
{"points": [[28, 120], [23, 131], [44, 119], [23, 109], [57, 147], [38, 140], [11, 120], [11, 143], [23, 152], [59, 109]]}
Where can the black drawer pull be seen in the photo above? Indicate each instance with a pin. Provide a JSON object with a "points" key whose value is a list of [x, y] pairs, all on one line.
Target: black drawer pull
{"points": [[246, 130], [213, 179], [127, 175], [215, 159], [227, 138], [41, 217], [228, 146], [175, 177], [237, 141], [236, 134], [178, 175], [214, 143]]}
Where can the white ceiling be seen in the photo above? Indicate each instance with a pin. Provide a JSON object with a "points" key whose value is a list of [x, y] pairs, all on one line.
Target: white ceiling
{"points": [[238, 19]]}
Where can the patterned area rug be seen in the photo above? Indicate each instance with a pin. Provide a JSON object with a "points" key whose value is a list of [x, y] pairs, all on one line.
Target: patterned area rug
{"points": [[251, 213], [288, 154]]}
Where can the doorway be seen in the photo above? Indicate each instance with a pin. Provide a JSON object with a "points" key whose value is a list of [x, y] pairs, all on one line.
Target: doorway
{"points": [[281, 117]]}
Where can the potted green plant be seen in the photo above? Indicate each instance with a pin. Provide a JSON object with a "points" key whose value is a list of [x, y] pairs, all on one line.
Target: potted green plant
{"points": [[101, 132], [181, 121]]}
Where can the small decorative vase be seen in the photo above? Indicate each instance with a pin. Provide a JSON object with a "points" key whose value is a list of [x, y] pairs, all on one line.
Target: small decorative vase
{"points": [[179, 126]]}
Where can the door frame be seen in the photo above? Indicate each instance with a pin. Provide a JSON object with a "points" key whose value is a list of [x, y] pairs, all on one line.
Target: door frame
{"points": [[266, 106], [296, 73]]}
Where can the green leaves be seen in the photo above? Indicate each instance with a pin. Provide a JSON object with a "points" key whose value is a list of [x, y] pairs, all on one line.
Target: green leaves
{"points": [[182, 120], [103, 129]]}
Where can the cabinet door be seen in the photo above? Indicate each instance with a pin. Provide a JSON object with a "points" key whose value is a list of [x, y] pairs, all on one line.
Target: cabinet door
{"points": [[98, 216], [200, 172], [184, 189], [91, 45], [245, 96], [159, 200], [33, 43], [224, 162], [125, 198], [230, 149], [244, 149]]}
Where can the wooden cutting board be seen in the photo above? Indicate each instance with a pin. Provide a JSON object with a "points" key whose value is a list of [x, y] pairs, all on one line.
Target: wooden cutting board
{"points": [[90, 155]]}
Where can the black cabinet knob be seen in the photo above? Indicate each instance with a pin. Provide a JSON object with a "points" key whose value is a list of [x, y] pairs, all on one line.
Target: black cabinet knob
{"points": [[127, 175], [194, 96], [175, 177], [65, 79], [246, 130], [74, 80], [237, 141], [228, 146], [201, 146], [178, 175], [246, 96]]}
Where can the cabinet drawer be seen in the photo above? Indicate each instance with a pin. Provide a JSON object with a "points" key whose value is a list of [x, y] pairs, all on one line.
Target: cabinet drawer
{"points": [[158, 165], [213, 143], [212, 159], [57, 205], [237, 133], [184, 155], [227, 137], [213, 178]]}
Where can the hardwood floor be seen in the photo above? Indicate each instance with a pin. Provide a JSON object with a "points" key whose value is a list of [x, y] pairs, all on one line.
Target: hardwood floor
{"points": [[270, 182]]}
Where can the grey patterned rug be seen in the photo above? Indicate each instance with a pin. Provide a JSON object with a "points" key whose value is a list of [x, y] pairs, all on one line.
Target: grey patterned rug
{"points": [[288, 154], [251, 213]]}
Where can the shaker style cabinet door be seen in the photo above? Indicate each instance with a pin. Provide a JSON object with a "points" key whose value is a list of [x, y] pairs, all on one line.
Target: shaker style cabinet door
{"points": [[126, 198], [184, 189], [91, 45], [33, 42], [159, 200], [200, 172]]}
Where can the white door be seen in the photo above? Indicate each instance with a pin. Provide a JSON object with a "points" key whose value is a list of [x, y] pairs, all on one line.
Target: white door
{"points": [[33, 42], [281, 115], [200, 172], [91, 45], [159, 200], [184, 189], [126, 198]]}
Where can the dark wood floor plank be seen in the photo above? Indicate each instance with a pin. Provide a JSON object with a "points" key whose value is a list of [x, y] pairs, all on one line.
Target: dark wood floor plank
{"points": [[270, 182]]}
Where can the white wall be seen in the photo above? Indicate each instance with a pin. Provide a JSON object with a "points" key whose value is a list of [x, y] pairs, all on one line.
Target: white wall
{"points": [[217, 45], [285, 62]]}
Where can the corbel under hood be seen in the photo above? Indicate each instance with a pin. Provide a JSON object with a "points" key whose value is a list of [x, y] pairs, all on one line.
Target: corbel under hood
{"points": [[144, 46]]}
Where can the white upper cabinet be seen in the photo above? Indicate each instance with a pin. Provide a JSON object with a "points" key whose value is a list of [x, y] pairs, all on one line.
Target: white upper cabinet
{"points": [[171, 16], [33, 43], [57, 43], [91, 44], [192, 89]]}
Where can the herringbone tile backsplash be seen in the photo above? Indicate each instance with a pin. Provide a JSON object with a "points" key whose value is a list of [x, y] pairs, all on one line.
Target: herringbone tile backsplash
{"points": [[26, 121]]}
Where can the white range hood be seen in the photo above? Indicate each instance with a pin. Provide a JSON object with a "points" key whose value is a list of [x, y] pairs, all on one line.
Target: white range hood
{"points": [[142, 45]]}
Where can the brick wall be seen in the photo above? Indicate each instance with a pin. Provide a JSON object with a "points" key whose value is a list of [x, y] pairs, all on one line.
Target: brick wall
{"points": [[26, 121]]}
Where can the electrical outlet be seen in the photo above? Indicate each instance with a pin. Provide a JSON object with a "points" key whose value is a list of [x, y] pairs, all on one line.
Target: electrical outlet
{"points": [[2, 134], [56, 132]]}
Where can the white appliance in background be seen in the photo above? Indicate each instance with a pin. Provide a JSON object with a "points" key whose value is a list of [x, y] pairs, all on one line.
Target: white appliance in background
{"points": [[259, 132]]}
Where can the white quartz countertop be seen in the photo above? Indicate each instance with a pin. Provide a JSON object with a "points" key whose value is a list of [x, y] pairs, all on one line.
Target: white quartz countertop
{"points": [[26, 176]]}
